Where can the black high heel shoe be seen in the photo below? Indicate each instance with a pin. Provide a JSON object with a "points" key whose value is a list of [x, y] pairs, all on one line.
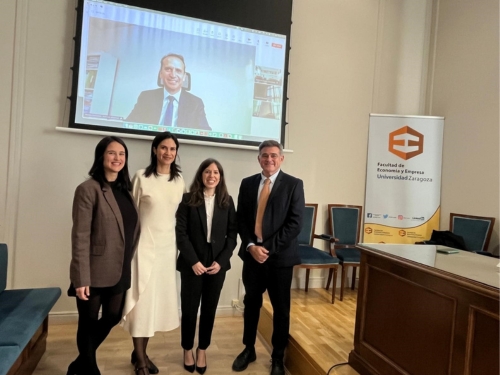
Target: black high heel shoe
{"points": [[142, 370], [73, 369], [77, 368], [200, 370], [151, 366], [190, 368]]}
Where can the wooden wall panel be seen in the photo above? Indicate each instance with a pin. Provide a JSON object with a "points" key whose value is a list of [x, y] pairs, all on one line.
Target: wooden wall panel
{"points": [[414, 319], [405, 332], [483, 344]]}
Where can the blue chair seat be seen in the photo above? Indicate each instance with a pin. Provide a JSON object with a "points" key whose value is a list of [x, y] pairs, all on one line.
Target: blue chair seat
{"points": [[8, 354], [312, 256], [348, 255], [22, 312]]}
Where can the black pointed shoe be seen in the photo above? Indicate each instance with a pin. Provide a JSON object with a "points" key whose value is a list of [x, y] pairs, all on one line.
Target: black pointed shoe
{"points": [[190, 368], [201, 370]]}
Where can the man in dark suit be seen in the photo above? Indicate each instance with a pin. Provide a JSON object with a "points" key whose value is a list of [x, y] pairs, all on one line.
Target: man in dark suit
{"points": [[269, 249], [170, 105]]}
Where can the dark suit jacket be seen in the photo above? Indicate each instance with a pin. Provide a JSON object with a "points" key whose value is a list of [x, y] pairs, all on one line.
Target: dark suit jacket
{"points": [[191, 111], [97, 237], [282, 220], [191, 234]]}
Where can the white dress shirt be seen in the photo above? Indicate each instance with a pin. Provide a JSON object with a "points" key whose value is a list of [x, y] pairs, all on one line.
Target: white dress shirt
{"points": [[209, 208]]}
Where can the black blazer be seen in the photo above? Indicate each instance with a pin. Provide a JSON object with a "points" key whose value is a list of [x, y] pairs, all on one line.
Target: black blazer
{"points": [[282, 220], [191, 233], [191, 112]]}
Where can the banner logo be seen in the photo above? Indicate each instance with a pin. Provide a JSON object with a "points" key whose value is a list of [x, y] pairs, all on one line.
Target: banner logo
{"points": [[407, 148]]}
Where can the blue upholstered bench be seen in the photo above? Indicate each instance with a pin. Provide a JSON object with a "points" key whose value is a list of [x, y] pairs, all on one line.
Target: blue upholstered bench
{"points": [[23, 323]]}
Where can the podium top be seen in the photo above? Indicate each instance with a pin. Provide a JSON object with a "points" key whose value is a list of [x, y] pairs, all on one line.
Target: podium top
{"points": [[465, 264]]}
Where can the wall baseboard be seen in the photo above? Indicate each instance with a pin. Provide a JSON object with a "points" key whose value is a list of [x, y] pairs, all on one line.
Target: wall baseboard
{"points": [[299, 282], [71, 317], [236, 309]]}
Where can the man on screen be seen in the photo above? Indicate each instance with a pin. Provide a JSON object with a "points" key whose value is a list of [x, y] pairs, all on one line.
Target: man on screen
{"points": [[170, 105]]}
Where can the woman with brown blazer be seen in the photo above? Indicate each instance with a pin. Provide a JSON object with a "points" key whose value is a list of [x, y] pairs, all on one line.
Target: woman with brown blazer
{"points": [[206, 233], [103, 238]]}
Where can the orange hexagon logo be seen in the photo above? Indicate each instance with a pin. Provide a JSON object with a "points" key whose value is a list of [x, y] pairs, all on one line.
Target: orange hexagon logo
{"points": [[406, 147], [368, 230], [402, 233]]}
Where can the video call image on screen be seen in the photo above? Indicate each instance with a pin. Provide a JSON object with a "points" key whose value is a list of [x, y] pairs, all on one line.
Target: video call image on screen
{"points": [[147, 70]]}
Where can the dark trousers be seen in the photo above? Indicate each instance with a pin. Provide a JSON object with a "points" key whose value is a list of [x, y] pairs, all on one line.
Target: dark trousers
{"points": [[91, 330], [278, 281], [204, 288]]}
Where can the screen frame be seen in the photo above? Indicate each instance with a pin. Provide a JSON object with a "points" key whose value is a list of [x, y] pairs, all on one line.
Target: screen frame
{"points": [[263, 15]]}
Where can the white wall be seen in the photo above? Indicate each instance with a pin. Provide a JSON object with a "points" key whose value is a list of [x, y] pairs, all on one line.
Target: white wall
{"points": [[7, 32], [464, 84], [402, 50], [341, 64]]}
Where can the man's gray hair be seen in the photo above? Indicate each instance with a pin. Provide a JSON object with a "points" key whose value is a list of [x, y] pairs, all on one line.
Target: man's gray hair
{"points": [[271, 143]]}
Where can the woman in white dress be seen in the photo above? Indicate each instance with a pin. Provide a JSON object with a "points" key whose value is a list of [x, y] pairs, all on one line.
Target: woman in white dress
{"points": [[151, 302]]}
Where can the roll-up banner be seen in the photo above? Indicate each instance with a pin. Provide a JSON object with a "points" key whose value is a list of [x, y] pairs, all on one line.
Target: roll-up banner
{"points": [[403, 178]]}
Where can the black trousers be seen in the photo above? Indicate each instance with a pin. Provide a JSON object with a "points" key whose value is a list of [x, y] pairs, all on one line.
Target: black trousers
{"points": [[204, 288], [258, 278], [91, 330]]}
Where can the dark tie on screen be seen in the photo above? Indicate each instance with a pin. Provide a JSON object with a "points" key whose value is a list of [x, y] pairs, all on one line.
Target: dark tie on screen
{"points": [[264, 195], [169, 111]]}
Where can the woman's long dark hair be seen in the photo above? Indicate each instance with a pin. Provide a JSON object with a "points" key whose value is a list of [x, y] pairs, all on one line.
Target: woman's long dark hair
{"points": [[221, 194], [97, 169], [175, 170]]}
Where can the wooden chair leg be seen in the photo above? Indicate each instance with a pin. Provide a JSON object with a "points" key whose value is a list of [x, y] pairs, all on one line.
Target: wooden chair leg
{"points": [[307, 278], [330, 273], [353, 282], [342, 281], [334, 286]]}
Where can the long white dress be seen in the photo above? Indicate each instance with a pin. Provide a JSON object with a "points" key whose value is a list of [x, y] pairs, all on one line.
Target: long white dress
{"points": [[151, 302]]}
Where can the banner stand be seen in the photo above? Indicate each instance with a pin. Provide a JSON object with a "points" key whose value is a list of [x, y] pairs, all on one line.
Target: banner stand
{"points": [[403, 178]]}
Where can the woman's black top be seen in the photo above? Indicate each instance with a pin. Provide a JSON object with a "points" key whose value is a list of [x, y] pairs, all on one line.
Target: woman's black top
{"points": [[129, 216]]}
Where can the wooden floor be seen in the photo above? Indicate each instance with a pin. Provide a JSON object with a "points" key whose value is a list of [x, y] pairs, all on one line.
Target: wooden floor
{"points": [[325, 330]]}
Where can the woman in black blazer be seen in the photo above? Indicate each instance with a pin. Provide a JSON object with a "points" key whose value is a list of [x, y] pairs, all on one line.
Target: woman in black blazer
{"points": [[206, 233]]}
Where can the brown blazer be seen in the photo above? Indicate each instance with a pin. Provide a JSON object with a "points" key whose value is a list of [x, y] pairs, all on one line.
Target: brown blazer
{"points": [[97, 237]]}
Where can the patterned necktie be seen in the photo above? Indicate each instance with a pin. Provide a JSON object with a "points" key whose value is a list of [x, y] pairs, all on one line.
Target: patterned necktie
{"points": [[169, 111], [264, 196]]}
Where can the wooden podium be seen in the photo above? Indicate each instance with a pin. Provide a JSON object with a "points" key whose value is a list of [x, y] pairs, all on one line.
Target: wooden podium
{"points": [[420, 312]]}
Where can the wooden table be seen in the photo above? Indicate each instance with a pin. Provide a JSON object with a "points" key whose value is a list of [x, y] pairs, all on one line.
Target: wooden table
{"points": [[424, 313]]}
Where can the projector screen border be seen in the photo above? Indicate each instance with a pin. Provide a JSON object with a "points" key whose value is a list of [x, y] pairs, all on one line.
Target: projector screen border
{"points": [[151, 137]]}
